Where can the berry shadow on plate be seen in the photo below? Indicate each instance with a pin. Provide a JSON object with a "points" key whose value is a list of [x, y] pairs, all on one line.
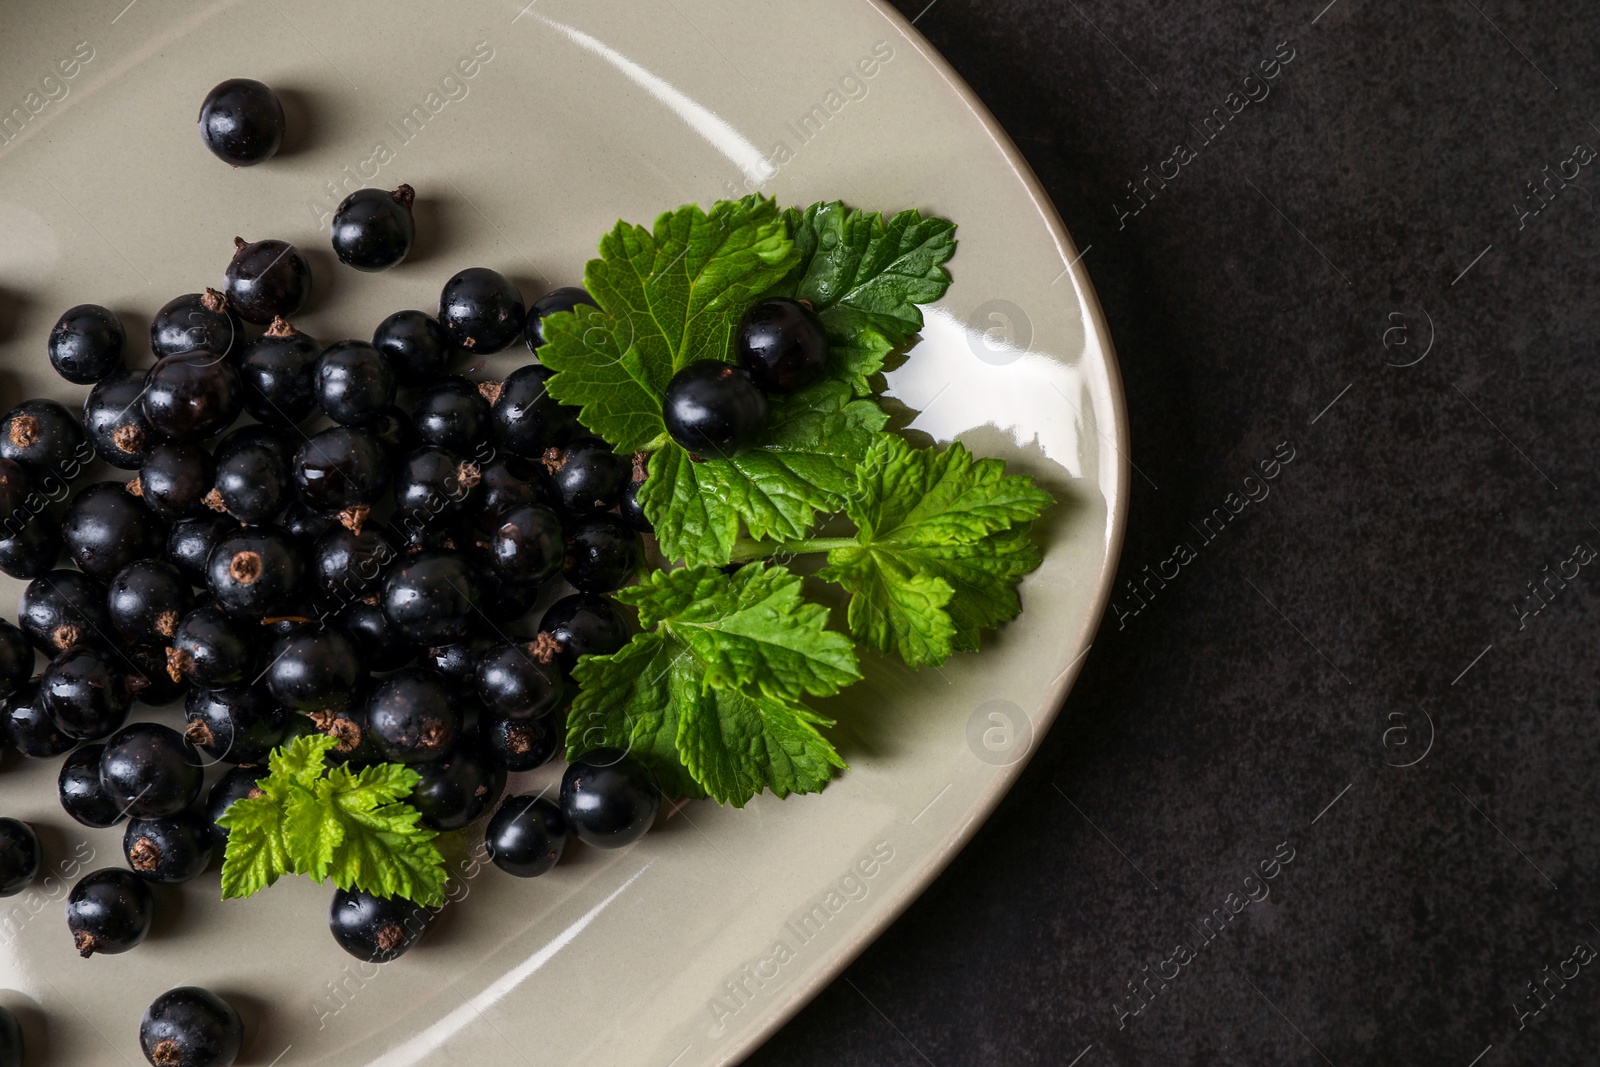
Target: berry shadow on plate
{"points": [[300, 112]]}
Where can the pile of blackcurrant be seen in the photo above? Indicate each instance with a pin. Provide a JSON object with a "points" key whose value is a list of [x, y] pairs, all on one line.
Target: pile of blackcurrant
{"points": [[364, 555]]}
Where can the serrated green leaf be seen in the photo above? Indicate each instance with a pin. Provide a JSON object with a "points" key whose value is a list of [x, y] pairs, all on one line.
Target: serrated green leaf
{"points": [[737, 746], [668, 295], [302, 760], [814, 441], [941, 545], [256, 854]]}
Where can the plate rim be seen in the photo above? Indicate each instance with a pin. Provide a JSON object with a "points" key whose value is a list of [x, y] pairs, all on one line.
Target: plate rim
{"points": [[911, 888]]}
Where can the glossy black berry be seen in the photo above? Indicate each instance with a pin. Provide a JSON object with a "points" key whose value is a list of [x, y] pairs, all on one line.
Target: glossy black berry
{"points": [[526, 836], [146, 600], [105, 528], [266, 280], [556, 300], [13, 1049], [85, 690], [63, 609], [525, 419], [175, 478], [170, 849], [481, 311], [113, 419], [210, 650], [527, 544], [192, 396], [86, 344], [608, 798], [147, 678], [414, 344], [346, 564], [34, 546], [714, 410], [236, 784], [458, 660], [431, 485], [29, 728], [20, 856], [451, 413], [384, 647], [109, 911], [191, 540], [241, 122], [253, 483], [585, 476], [149, 770], [195, 322], [457, 789], [519, 744], [376, 929], [47, 440], [584, 625], [354, 382], [782, 344], [278, 370], [255, 572], [520, 681], [190, 1027], [82, 796], [432, 597], [412, 716], [341, 468], [315, 670], [373, 228], [238, 724], [603, 554]]}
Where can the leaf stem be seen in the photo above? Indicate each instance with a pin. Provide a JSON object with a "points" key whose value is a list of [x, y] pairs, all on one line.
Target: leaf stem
{"points": [[745, 549]]}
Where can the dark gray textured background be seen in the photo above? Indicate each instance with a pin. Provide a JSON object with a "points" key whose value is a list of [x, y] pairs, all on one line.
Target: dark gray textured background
{"points": [[1371, 204]]}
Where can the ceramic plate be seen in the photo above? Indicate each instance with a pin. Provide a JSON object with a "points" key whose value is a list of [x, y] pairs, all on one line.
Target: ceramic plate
{"points": [[527, 131]]}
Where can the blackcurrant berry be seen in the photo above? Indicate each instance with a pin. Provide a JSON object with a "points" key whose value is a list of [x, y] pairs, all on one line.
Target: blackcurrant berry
{"points": [[457, 789], [340, 469], [170, 849], [238, 724], [29, 728], [458, 660], [255, 572], [190, 1027], [241, 122], [315, 670], [192, 396], [105, 528], [47, 440], [195, 322], [527, 545], [236, 784], [430, 485], [85, 690], [13, 1049], [453, 414], [608, 798], [519, 744], [86, 344], [373, 229], [432, 597], [114, 420], [146, 600], [526, 836], [174, 479], [782, 344], [414, 344], [713, 410], [412, 717], [520, 681], [584, 625], [109, 911], [16, 658], [525, 419], [63, 609], [78, 787], [149, 770], [585, 476], [210, 650], [266, 280], [376, 929], [346, 564], [481, 311], [20, 856], [556, 300], [190, 542], [33, 549], [602, 554], [278, 370], [147, 678], [354, 382], [253, 483]]}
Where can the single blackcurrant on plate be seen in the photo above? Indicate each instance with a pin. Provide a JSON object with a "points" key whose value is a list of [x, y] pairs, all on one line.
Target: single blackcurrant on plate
{"points": [[373, 228], [481, 311], [191, 1027], [267, 280], [86, 344], [241, 122]]}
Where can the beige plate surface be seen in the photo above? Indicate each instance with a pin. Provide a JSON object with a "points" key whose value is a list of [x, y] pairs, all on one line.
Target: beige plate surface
{"points": [[527, 132]]}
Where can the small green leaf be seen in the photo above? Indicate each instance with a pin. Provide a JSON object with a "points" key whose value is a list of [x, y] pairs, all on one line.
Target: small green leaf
{"points": [[256, 853]]}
